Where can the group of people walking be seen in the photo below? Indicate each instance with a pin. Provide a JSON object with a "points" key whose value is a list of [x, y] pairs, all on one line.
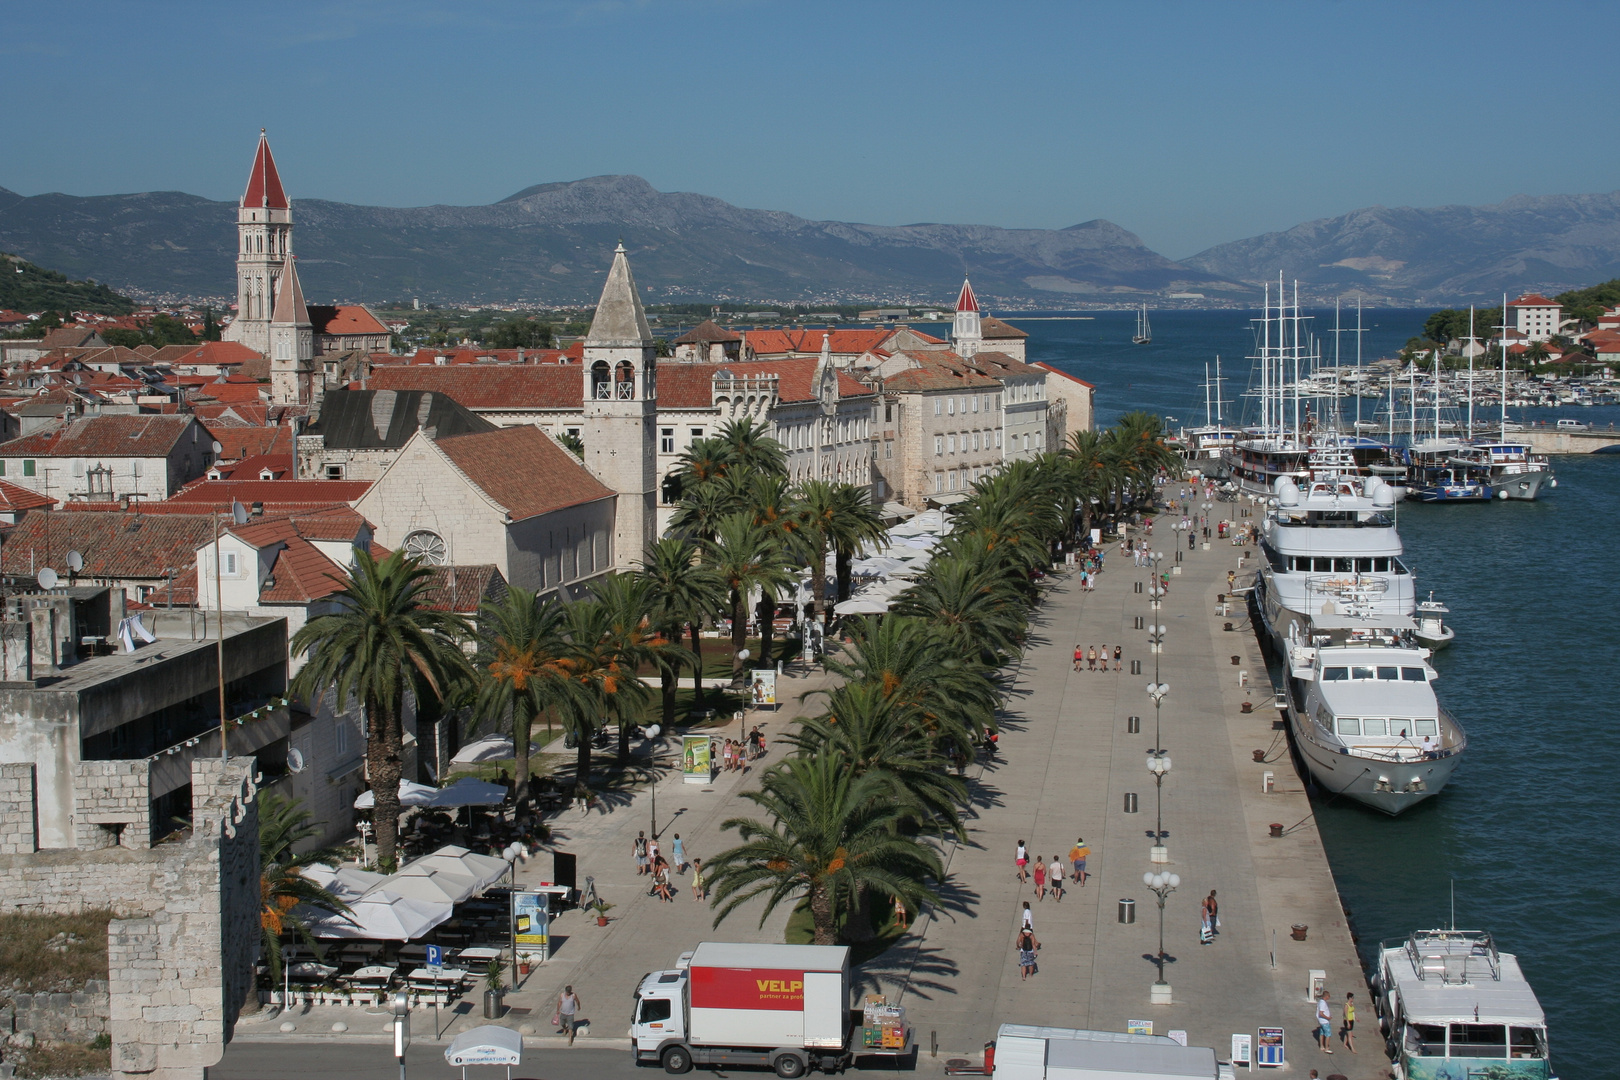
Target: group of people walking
{"points": [[735, 754], [651, 862], [1097, 658], [1047, 877]]}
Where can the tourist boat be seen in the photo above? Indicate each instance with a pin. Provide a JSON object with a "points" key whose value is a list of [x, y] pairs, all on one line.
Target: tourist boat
{"points": [[1452, 1007], [1331, 548], [1432, 631], [1144, 331], [1440, 470], [1513, 471], [1363, 714]]}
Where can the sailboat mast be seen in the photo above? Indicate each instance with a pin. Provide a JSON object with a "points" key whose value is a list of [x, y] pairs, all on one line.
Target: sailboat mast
{"points": [[1358, 360], [1470, 372], [1206, 393], [1501, 332], [1220, 413], [1265, 363], [1297, 428]]}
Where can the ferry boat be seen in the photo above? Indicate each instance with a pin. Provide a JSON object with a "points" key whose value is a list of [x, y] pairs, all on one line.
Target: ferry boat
{"points": [[1513, 471], [1440, 470], [1453, 1006], [1363, 714]]}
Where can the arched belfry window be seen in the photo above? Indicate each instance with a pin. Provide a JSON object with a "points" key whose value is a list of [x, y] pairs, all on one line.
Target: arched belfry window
{"points": [[599, 380], [624, 378]]}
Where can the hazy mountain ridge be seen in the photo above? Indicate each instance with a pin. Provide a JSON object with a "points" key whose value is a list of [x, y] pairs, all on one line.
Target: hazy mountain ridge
{"points": [[549, 243], [1443, 254]]}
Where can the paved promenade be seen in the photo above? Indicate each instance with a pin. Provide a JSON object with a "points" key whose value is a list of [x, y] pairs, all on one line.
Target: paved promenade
{"points": [[1065, 765]]}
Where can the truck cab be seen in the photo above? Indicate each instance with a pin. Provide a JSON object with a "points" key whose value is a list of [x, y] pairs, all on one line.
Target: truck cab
{"points": [[658, 1017]]}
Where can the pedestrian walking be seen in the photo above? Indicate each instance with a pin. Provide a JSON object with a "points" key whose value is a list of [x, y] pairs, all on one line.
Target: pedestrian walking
{"points": [[1206, 919], [661, 880], [699, 892], [1119, 651], [1021, 857], [1231, 579], [1091, 657], [1350, 1022], [1102, 654], [1027, 920], [1026, 946], [1079, 655], [1077, 859], [1040, 880], [638, 847], [1055, 876], [678, 853], [901, 921], [568, 1004], [1324, 1022]]}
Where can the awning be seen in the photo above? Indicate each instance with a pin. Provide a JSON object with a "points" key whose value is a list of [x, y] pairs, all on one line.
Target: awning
{"points": [[489, 748], [381, 916], [417, 882], [470, 791], [896, 511], [950, 499], [487, 1045], [410, 794], [346, 883], [485, 870]]}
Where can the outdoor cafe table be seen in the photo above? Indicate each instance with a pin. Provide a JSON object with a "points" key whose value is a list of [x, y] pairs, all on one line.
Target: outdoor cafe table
{"points": [[480, 954], [309, 969], [446, 981], [375, 974]]}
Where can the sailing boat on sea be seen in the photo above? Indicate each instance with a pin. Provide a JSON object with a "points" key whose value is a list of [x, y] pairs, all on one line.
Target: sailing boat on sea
{"points": [[1144, 331]]}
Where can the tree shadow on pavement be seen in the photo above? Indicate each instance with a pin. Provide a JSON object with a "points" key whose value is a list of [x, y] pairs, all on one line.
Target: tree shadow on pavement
{"points": [[982, 795], [957, 899], [916, 969]]}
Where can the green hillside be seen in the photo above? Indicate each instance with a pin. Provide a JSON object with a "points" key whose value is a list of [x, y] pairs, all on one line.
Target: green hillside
{"points": [[26, 287]]}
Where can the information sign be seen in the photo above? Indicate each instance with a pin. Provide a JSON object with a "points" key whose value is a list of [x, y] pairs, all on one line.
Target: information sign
{"points": [[1269, 1048]]}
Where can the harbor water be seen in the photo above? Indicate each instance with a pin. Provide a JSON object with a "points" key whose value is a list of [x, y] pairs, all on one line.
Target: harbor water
{"points": [[1526, 836]]}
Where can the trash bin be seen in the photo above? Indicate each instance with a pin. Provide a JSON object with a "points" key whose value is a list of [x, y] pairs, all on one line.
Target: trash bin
{"points": [[1127, 911], [1130, 802]]}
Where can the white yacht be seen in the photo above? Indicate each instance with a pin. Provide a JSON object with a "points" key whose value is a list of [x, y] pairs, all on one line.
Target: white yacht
{"points": [[1515, 473], [1432, 630], [1330, 547], [1363, 713], [1451, 1005]]}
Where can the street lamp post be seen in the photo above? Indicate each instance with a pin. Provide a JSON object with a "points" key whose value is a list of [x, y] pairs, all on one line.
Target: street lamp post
{"points": [[1161, 885], [1158, 764]]}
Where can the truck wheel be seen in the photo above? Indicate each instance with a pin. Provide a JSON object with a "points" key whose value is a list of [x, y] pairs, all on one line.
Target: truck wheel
{"points": [[677, 1060], [789, 1067]]}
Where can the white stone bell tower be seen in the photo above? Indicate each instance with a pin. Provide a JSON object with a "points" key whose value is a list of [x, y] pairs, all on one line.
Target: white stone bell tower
{"points": [[263, 246], [621, 410]]}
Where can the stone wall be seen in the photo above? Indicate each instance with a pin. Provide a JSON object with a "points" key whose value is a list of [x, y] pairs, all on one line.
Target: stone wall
{"points": [[19, 810], [180, 952], [76, 1017], [113, 804]]}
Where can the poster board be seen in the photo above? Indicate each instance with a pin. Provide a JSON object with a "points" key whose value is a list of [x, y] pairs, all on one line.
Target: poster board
{"points": [[1269, 1048], [531, 923], [696, 767], [1138, 1027], [762, 688], [1243, 1050]]}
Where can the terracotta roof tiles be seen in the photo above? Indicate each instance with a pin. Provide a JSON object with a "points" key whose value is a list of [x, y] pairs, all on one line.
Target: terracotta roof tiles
{"points": [[524, 470]]}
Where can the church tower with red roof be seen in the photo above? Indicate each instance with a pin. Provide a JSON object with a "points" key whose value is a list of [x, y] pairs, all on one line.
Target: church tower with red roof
{"points": [[263, 246], [966, 333]]}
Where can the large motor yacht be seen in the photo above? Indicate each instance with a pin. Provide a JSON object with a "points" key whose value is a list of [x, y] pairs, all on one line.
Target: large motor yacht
{"points": [[1363, 714]]}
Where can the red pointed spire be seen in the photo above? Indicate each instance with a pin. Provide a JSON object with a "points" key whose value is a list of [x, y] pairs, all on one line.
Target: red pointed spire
{"points": [[967, 301], [264, 184]]}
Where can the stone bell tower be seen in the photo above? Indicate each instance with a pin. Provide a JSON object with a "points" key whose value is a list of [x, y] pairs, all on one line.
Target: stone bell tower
{"points": [[263, 246], [621, 410]]}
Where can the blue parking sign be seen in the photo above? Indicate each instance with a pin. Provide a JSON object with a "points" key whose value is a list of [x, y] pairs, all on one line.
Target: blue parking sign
{"points": [[435, 956]]}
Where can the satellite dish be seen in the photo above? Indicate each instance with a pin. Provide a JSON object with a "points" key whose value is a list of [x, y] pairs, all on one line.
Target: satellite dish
{"points": [[295, 760], [238, 513], [219, 447], [47, 578], [75, 561]]}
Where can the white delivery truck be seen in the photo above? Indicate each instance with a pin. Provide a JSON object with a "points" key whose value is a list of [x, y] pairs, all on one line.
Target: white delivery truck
{"points": [[1048, 1053], [783, 1006]]}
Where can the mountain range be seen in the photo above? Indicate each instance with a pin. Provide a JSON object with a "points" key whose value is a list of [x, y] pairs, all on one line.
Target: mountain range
{"points": [[548, 244]]}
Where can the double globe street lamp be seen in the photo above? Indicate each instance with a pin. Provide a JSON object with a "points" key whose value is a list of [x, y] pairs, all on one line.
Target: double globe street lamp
{"points": [[1161, 886], [1158, 764]]}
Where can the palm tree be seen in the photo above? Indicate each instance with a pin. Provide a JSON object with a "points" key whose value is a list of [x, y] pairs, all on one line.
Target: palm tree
{"points": [[914, 662], [626, 640], [382, 643], [283, 824], [525, 663], [746, 556], [818, 506], [682, 592], [751, 449], [855, 523], [772, 509], [827, 833], [974, 605]]}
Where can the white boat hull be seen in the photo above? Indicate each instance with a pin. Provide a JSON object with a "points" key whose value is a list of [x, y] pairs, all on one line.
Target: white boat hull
{"points": [[1391, 787], [1526, 486]]}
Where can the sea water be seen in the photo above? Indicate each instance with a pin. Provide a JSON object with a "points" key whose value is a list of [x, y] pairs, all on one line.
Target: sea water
{"points": [[1527, 834]]}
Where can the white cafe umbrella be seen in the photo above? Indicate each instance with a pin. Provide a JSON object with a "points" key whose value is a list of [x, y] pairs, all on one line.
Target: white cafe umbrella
{"points": [[346, 883], [410, 794], [861, 605], [486, 870], [489, 748], [470, 791], [381, 916], [435, 886]]}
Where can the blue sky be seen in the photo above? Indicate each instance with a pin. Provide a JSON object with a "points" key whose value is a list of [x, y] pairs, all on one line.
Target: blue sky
{"points": [[1189, 123]]}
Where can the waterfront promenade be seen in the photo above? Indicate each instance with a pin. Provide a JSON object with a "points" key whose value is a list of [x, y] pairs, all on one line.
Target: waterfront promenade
{"points": [[1065, 765]]}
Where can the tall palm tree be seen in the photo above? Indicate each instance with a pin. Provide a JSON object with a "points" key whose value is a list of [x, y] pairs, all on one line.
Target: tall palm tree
{"points": [[746, 556], [525, 665], [283, 824], [683, 591], [856, 522], [626, 640], [752, 450], [974, 605], [818, 507], [382, 643], [914, 662], [827, 832], [772, 508]]}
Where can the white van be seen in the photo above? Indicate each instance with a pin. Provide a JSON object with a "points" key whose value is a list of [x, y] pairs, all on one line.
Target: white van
{"points": [[1573, 425]]}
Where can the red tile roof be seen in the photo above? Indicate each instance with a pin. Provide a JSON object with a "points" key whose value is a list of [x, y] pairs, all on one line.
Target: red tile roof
{"points": [[1052, 370], [991, 327], [523, 470], [795, 379], [937, 371], [301, 574], [208, 354], [1534, 300], [462, 588], [965, 300], [250, 393], [104, 437], [249, 468], [14, 499], [264, 183], [67, 337], [345, 319], [219, 494], [121, 545], [707, 332], [526, 386], [852, 342]]}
